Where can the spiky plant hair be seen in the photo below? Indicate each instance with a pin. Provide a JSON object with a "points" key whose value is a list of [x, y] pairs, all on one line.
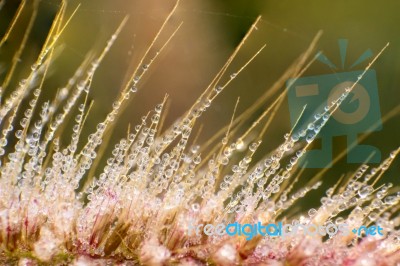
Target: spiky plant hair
{"points": [[155, 183]]}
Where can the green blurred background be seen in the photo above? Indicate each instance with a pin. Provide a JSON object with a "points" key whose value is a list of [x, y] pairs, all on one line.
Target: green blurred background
{"points": [[210, 32]]}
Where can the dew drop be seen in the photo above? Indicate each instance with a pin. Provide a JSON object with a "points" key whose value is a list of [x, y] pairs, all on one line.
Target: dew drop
{"points": [[239, 144], [197, 159], [218, 89]]}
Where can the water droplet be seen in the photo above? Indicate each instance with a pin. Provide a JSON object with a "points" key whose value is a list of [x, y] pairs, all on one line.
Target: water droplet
{"points": [[195, 207], [197, 159], [312, 212], [253, 147], [116, 105], [155, 118], [101, 127], [207, 103], [310, 137], [239, 144], [365, 191], [218, 89]]}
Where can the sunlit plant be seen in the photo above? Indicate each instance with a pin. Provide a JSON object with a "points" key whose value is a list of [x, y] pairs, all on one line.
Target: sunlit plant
{"points": [[156, 182]]}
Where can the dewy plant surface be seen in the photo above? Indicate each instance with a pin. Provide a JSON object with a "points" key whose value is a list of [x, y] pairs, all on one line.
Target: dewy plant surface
{"points": [[157, 183]]}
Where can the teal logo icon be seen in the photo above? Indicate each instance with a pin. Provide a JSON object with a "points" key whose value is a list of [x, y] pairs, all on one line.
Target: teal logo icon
{"points": [[359, 113]]}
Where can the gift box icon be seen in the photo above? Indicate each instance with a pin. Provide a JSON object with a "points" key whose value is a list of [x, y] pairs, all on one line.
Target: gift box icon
{"points": [[359, 112]]}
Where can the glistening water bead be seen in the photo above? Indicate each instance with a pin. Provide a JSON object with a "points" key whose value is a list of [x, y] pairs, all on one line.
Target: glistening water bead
{"points": [[60, 204]]}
